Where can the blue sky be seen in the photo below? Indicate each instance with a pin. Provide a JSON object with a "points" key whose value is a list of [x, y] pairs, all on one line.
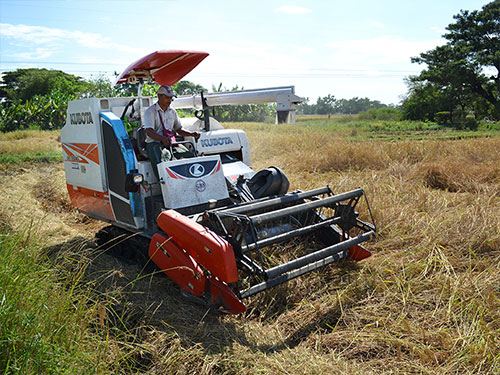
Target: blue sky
{"points": [[344, 48]]}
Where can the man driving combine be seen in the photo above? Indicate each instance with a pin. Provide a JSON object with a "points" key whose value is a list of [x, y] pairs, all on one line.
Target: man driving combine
{"points": [[161, 123]]}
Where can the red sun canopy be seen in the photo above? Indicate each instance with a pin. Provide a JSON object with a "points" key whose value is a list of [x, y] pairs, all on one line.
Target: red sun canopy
{"points": [[164, 67]]}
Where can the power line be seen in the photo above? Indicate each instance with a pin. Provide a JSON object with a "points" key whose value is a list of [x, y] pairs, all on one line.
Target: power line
{"points": [[312, 74], [313, 70]]}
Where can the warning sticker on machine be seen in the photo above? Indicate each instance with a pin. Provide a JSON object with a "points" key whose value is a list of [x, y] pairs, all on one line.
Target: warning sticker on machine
{"points": [[200, 186]]}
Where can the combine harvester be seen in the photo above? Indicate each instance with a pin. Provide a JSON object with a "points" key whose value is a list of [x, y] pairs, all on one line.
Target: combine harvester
{"points": [[214, 226]]}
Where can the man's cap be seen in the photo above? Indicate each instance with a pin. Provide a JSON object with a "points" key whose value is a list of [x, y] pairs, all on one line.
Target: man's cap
{"points": [[167, 91]]}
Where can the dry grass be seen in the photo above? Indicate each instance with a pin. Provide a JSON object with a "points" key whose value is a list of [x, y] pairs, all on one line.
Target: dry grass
{"points": [[29, 142], [37, 196], [426, 302]]}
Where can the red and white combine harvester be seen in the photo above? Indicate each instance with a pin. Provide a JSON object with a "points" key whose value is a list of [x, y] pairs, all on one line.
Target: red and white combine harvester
{"points": [[215, 226]]}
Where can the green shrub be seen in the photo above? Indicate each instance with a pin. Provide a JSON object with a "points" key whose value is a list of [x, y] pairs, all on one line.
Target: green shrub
{"points": [[470, 122], [384, 114], [44, 112], [443, 117], [489, 125]]}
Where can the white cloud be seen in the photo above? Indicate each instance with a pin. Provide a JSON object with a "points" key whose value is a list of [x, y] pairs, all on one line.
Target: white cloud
{"points": [[244, 56], [378, 24], [37, 54], [35, 34], [377, 52], [293, 9], [304, 49], [40, 35]]}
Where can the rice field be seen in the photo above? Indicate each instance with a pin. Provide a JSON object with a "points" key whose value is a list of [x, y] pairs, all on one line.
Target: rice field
{"points": [[426, 302]]}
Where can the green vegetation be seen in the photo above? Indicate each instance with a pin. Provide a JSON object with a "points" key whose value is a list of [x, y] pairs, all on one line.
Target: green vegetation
{"points": [[47, 157], [42, 112], [23, 84], [43, 317], [328, 105], [385, 114], [382, 124], [247, 112], [461, 77], [38, 99]]}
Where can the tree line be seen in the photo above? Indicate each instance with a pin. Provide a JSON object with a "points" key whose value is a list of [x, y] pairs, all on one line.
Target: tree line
{"points": [[328, 105], [462, 77], [460, 83], [38, 98]]}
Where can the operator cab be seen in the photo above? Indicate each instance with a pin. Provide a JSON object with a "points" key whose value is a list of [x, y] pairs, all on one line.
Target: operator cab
{"points": [[189, 185]]}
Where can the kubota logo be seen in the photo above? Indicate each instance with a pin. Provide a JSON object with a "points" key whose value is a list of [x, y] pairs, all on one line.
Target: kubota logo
{"points": [[80, 118], [216, 141], [197, 170]]}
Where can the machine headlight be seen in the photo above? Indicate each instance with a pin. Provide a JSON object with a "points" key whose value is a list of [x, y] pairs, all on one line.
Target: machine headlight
{"points": [[138, 178], [132, 181]]}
